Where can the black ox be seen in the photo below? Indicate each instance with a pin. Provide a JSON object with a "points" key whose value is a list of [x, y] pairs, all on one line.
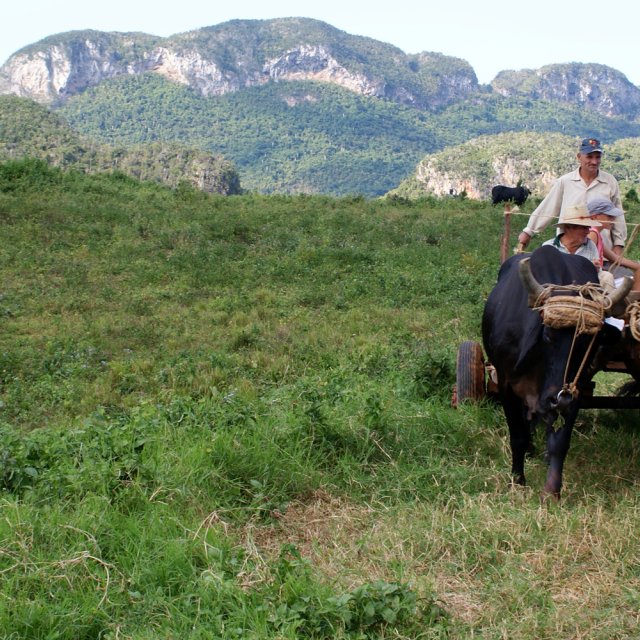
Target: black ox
{"points": [[517, 195], [533, 361]]}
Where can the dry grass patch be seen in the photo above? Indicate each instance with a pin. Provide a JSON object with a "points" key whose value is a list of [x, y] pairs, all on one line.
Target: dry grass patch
{"points": [[327, 530], [498, 564]]}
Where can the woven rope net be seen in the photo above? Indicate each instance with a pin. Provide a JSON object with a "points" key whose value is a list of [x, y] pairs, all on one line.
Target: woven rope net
{"points": [[584, 311]]}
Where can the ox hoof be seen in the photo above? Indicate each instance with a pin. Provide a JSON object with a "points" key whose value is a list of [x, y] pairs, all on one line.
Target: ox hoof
{"points": [[549, 497]]}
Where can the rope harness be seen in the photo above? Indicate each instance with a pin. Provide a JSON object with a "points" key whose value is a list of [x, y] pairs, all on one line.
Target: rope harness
{"points": [[633, 311], [584, 311]]}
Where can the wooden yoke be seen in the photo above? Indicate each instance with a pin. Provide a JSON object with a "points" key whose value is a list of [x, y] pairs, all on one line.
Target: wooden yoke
{"points": [[504, 246]]}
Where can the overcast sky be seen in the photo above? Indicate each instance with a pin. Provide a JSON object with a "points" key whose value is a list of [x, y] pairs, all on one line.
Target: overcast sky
{"points": [[492, 35]]}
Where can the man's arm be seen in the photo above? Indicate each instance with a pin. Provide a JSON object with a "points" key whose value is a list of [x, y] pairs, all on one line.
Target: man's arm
{"points": [[619, 228], [612, 255], [544, 213]]}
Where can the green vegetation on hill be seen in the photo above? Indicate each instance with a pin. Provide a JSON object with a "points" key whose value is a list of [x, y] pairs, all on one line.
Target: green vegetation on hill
{"points": [[489, 114], [233, 98], [597, 86], [283, 137], [302, 137], [30, 130], [228, 417], [624, 155], [533, 159], [124, 45], [243, 47]]}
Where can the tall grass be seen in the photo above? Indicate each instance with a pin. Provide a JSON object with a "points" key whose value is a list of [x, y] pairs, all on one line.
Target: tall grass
{"points": [[229, 417]]}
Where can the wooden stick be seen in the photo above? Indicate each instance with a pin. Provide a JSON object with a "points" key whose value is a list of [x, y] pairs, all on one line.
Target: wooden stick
{"points": [[504, 248]]}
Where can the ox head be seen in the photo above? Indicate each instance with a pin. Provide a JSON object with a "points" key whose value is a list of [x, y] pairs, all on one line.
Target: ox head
{"points": [[537, 292]]}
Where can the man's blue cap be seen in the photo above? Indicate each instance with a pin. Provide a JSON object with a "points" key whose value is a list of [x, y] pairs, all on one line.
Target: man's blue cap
{"points": [[590, 145]]}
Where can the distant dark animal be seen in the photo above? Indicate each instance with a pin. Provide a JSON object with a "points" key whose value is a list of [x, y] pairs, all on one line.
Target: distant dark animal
{"points": [[535, 363], [517, 195]]}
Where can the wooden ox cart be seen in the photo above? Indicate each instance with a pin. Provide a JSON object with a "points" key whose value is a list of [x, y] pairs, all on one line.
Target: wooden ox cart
{"points": [[476, 378]]}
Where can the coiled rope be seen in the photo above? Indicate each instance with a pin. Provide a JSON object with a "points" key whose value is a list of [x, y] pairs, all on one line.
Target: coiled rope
{"points": [[584, 311], [633, 310]]}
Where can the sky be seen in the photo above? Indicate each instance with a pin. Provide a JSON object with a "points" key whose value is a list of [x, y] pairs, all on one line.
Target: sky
{"points": [[491, 35]]}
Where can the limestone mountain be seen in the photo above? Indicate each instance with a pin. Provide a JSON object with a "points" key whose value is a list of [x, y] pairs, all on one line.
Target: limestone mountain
{"points": [[237, 55], [240, 54], [594, 86]]}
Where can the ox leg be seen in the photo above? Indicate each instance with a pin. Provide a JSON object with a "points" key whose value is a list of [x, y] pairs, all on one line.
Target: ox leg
{"points": [[519, 435], [558, 442]]}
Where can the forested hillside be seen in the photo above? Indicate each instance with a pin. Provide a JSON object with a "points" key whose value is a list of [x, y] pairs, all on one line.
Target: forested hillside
{"points": [[30, 130], [313, 137], [597, 87], [238, 55], [285, 137], [532, 159]]}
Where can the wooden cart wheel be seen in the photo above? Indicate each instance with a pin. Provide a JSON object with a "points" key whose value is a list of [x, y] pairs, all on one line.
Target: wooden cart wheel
{"points": [[470, 372]]}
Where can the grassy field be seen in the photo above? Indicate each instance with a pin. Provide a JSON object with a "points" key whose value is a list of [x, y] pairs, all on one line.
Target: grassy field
{"points": [[229, 417]]}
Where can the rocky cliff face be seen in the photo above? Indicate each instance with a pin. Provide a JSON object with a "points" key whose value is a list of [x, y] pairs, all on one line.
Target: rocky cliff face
{"points": [[474, 167], [240, 54], [436, 181], [218, 61], [309, 62], [61, 67], [595, 86], [244, 53], [190, 68]]}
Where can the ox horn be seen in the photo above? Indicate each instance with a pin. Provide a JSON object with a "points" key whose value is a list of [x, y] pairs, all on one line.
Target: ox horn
{"points": [[534, 288], [611, 299]]}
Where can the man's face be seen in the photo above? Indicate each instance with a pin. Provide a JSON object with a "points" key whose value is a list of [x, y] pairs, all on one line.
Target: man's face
{"points": [[576, 233], [589, 163]]}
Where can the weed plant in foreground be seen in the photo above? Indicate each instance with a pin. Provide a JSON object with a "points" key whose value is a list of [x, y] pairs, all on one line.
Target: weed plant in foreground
{"points": [[230, 417]]}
